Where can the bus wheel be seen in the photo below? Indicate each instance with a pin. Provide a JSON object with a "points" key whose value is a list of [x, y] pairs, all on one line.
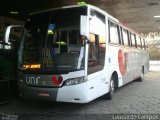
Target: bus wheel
{"points": [[141, 78], [109, 95]]}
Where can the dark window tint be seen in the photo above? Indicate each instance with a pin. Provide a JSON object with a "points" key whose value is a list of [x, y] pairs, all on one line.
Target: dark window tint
{"points": [[73, 37]]}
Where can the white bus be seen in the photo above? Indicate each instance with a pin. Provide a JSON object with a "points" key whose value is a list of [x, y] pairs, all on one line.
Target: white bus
{"points": [[77, 54]]}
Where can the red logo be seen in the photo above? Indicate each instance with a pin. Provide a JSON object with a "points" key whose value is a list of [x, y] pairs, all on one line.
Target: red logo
{"points": [[122, 62], [57, 81]]}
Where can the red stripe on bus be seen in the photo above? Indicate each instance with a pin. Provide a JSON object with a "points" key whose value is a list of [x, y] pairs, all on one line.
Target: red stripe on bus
{"points": [[122, 62]]}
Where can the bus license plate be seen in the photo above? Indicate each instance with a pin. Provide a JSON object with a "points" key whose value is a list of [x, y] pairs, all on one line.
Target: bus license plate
{"points": [[43, 94]]}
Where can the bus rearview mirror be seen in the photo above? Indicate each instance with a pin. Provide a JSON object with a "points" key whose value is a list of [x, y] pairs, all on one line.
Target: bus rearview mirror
{"points": [[8, 32], [84, 26]]}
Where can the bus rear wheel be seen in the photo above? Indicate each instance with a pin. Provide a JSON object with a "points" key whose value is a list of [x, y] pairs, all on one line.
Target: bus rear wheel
{"points": [[141, 78], [109, 95]]}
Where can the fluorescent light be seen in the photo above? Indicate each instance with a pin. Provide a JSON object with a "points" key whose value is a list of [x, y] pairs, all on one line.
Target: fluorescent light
{"points": [[157, 16], [14, 12], [81, 3]]}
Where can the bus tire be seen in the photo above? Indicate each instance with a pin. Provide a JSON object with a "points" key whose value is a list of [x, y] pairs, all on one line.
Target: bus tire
{"points": [[109, 95], [141, 78]]}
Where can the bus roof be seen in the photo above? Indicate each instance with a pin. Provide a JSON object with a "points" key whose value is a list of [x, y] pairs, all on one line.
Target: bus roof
{"points": [[73, 6], [110, 17], [58, 8]]}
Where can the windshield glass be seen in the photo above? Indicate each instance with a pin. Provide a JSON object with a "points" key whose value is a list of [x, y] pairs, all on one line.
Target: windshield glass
{"points": [[52, 41]]}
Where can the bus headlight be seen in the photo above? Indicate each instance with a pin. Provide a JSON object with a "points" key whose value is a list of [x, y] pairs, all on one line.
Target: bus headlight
{"points": [[75, 81]]}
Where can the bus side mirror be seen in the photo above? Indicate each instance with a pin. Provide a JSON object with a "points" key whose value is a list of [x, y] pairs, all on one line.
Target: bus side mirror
{"points": [[8, 32], [84, 26]]}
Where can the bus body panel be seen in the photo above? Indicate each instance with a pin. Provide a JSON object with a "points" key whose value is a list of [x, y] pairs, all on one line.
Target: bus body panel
{"points": [[75, 93], [98, 84], [134, 59]]}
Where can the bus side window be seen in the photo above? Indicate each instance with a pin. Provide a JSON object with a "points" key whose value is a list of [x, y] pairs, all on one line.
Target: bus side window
{"points": [[125, 37], [129, 39], [146, 45], [133, 42], [139, 45], [113, 33], [143, 44], [119, 34]]}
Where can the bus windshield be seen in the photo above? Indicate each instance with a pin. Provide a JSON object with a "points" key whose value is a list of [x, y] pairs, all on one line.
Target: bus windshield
{"points": [[52, 43]]}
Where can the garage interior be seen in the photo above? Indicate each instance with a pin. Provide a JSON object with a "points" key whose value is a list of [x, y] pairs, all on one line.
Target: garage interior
{"points": [[140, 15]]}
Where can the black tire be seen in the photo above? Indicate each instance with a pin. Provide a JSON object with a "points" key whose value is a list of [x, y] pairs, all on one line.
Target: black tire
{"points": [[141, 78], [109, 95]]}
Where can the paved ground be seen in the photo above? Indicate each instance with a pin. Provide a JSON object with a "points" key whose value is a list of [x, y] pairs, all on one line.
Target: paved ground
{"points": [[133, 98]]}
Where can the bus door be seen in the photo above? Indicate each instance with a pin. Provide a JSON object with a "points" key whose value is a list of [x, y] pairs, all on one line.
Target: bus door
{"points": [[96, 50], [97, 42]]}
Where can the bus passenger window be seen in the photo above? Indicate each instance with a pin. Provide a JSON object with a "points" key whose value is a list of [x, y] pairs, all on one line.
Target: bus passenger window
{"points": [[146, 45], [133, 42], [113, 33], [138, 42], [125, 37], [143, 44]]}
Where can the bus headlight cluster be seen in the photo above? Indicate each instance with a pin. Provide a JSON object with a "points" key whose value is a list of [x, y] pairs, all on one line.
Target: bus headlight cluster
{"points": [[75, 81]]}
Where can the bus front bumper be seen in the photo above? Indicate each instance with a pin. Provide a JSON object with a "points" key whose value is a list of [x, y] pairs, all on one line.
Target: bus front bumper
{"points": [[75, 93]]}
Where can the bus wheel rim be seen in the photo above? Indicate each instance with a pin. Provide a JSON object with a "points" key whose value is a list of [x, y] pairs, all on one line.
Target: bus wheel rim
{"points": [[112, 86]]}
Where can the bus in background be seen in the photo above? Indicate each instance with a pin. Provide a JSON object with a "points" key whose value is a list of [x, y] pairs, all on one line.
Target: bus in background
{"points": [[8, 65], [77, 54]]}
